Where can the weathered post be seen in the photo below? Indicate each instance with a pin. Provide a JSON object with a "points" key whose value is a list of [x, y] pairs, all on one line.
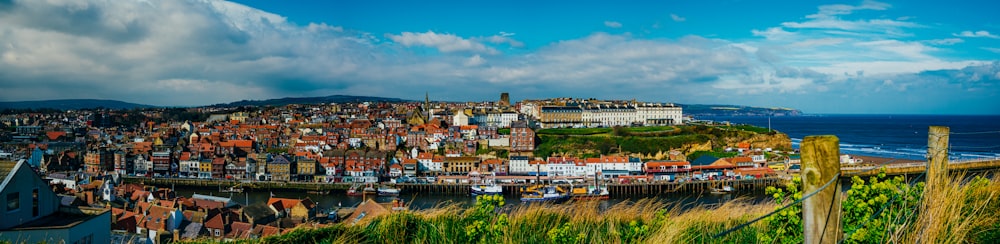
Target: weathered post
{"points": [[937, 158], [821, 212], [937, 175]]}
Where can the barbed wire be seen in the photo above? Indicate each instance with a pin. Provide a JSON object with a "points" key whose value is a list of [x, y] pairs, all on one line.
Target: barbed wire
{"points": [[804, 197], [975, 132]]}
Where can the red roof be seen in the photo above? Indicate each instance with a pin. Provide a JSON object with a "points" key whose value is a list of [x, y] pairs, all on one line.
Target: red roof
{"points": [[53, 135], [216, 222]]}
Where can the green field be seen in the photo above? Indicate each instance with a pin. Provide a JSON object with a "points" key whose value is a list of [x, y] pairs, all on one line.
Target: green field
{"points": [[646, 140]]}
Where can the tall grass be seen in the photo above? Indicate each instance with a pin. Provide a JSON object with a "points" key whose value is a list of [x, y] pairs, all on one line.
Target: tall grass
{"points": [[960, 212], [963, 211]]}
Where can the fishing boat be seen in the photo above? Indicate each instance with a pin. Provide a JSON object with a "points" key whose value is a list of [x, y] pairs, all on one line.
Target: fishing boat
{"points": [[544, 193], [590, 193], [486, 189], [490, 187], [231, 189], [388, 191], [355, 191], [722, 190]]}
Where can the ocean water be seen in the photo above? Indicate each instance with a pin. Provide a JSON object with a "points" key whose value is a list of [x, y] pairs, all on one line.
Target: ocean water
{"points": [[895, 136]]}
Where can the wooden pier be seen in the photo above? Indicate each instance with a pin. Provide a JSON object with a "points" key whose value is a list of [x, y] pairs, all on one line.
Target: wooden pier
{"points": [[616, 190]]}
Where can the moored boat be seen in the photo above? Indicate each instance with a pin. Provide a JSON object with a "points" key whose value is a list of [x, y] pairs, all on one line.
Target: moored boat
{"points": [[388, 191], [590, 193], [355, 191], [545, 193], [486, 189], [722, 190]]}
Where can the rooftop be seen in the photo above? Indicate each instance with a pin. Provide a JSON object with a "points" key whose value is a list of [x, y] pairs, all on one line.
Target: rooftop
{"points": [[66, 217]]}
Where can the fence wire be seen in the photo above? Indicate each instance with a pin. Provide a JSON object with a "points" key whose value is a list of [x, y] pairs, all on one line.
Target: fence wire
{"points": [[804, 197], [975, 132]]}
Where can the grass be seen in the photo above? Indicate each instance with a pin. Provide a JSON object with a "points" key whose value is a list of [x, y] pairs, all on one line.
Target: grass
{"points": [[964, 210], [573, 131]]}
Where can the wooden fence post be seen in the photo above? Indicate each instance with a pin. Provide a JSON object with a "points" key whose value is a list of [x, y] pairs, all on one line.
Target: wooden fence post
{"points": [[937, 158], [937, 176], [821, 212]]}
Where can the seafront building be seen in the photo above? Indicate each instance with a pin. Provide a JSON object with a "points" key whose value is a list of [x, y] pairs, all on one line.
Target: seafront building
{"points": [[574, 113]]}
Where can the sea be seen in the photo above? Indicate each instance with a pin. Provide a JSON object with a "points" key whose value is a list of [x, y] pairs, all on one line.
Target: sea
{"points": [[892, 136]]}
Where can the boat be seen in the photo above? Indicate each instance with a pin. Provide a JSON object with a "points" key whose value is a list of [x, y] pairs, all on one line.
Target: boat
{"points": [[488, 188], [544, 193], [722, 190], [354, 191], [231, 189], [590, 193], [388, 191]]}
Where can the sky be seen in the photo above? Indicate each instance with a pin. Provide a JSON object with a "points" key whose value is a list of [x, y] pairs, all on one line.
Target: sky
{"points": [[822, 57]]}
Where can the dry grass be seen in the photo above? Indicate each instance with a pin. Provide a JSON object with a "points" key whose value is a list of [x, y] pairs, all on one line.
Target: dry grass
{"points": [[955, 212]]}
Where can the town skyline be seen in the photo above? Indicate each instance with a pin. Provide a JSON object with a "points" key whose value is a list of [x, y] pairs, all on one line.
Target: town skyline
{"points": [[852, 57]]}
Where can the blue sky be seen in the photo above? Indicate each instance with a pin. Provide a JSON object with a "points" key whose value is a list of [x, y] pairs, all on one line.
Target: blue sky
{"points": [[896, 57]]}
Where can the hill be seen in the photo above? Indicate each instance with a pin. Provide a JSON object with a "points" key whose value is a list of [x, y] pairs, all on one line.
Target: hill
{"points": [[734, 110], [308, 100], [72, 104]]}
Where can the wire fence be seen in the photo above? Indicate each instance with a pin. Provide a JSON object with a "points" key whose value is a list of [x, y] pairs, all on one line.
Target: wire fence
{"points": [[804, 197]]}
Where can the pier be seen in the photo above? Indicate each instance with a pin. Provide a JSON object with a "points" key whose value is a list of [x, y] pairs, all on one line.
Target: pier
{"points": [[918, 167], [617, 190]]}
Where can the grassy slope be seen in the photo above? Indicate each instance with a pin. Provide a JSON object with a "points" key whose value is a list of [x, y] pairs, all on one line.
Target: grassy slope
{"points": [[645, 140]]}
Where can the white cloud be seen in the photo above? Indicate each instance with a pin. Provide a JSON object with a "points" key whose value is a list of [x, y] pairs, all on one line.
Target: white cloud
{"points": [[677, 18], [829, 11], [503, 38], [475, 61], [981, 33], [773, 33], [442, 42], [612, 24], [946, 41], [992, 49]]}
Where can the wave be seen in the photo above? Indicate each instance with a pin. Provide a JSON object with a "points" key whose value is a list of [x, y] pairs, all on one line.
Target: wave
{"points": [[900, 151]]}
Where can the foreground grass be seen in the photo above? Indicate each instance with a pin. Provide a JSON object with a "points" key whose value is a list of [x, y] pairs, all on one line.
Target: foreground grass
{"points": [[965, 211]]}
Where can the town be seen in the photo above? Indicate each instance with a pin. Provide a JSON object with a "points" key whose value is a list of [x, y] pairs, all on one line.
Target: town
{"points": [[73, 162]]}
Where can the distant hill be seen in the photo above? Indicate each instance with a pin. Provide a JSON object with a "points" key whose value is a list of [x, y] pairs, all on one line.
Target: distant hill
{"points": [[735, 110], [72, 104], [308, 100]]}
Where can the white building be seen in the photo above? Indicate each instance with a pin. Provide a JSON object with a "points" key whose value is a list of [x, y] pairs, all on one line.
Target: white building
{"points": [[459, 119]]}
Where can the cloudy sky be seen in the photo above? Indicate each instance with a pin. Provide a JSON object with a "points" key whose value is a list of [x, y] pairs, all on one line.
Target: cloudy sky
{"points": [[899, 57]]}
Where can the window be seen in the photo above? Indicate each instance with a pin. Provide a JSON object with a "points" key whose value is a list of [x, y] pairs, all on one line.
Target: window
{"points": [[217, 233], [34, 202], [13, 201]]}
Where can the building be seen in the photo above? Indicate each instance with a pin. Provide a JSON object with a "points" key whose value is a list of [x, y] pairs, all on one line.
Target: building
{"points": [[161, 162], [460, 165], [522, 138], [32, 213], [667, 170], [280, 168], [306, 169]]}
